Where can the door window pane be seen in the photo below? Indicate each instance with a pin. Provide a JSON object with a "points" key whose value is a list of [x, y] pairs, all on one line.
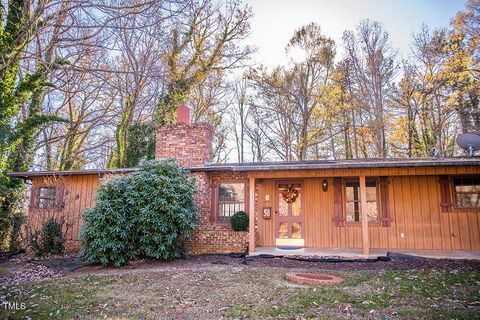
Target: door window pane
{"points": [[282, 206], [296, 230], [297, 206], [283, 230]]}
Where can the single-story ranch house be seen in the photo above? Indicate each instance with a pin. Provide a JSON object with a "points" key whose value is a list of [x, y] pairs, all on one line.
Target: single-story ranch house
{"points": [[361, 203]]}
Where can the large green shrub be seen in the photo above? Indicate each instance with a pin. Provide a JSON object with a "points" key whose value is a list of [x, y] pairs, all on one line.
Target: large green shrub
{"points": [[239, 221], [150, 213], [49, 239]]}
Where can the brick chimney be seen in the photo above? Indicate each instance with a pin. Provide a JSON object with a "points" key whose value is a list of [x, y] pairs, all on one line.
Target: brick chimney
{"points": [[190, 144]]}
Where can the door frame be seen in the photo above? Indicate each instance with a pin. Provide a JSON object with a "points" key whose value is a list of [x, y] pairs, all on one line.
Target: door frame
{"points": [[290, 242]]}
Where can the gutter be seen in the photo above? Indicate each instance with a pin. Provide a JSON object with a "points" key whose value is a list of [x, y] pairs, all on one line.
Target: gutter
{"points": [[275, 166]]}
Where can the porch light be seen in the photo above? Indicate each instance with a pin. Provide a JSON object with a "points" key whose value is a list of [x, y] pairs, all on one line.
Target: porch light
{"points": [[325, 185]]}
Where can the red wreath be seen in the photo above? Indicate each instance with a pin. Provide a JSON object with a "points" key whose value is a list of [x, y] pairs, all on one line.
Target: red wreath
{"points": [[290, 195]]}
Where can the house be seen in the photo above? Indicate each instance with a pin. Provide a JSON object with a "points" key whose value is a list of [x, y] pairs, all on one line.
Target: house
{"points": [[361, 203]]}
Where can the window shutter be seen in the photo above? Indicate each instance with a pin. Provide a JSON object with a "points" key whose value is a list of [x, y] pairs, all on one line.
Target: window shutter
{"points": [[59, 197], [33, 197], [385, 202], [338, 205], [445, 197]]}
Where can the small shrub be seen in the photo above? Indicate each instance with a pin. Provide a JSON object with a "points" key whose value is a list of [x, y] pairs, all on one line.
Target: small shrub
{"points": [[150, 213], [239, 221], [49, 239], [17, 235]]}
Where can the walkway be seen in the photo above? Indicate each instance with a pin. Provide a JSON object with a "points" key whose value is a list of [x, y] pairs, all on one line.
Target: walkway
{"points": [[355, 253]]}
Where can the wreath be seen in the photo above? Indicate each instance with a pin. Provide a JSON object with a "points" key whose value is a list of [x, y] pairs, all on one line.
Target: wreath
{"points": [[290, 194]]}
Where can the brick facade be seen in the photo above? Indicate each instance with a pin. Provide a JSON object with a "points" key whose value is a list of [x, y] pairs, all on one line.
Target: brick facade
{"points": [[212, 236], [190, 145]]}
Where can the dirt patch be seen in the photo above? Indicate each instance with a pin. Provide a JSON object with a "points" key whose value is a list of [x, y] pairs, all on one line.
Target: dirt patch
{"points": [[24, 268]]}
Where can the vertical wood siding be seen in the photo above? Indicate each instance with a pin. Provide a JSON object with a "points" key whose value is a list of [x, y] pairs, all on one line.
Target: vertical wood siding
{"points": [[415, 212], [79, 194], [414, 207]]}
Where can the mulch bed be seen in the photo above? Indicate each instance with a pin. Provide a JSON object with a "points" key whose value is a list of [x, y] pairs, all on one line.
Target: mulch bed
{"points": [[292, 262], [394, 264]]}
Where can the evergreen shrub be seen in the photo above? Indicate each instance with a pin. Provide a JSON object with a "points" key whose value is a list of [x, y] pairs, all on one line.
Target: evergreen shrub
{"points": [[150, 213]]}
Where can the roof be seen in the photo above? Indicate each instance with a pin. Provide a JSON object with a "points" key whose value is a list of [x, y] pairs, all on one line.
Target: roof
{"points": [[29, 174], [286, 165], [342, 164]]}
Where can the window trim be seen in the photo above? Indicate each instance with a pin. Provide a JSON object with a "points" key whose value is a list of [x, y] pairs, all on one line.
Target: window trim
{"points": [[344, 202], [38, 198], [59, 196], [452, 192], [215, 213]]}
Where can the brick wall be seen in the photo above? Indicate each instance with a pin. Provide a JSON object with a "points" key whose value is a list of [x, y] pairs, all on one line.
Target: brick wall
{"points": [[190, 144], [211, 236]]}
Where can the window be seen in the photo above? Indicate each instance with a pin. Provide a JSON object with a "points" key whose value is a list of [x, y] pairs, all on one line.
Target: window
{"points": [[352, 200], [466, 192], [46, 197], [231, 199]]}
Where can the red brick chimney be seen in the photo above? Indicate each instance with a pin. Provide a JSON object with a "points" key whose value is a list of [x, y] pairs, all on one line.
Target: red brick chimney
{"points": [[190, 144]]}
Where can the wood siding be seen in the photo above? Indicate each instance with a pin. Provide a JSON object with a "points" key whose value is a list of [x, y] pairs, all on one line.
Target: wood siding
{"points": [[414, 207], [78, 193], [414, 204]]}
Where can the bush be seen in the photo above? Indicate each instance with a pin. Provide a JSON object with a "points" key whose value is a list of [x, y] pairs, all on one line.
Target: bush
{"points": [[239, 221], [17, 234], [150, 213], [49, 239]]}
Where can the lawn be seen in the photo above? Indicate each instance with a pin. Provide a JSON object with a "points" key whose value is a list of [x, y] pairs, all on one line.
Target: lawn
{"points": [[226, 291]]}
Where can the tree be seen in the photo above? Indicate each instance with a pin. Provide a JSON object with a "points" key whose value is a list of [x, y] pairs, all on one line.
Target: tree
{"points": [[291, 97], [137, 79], [207, 104], [340, 114], [239, 116], [438, 96], [21, 99], [205, 39], [372, 61], [38, 38], [462, 66]]}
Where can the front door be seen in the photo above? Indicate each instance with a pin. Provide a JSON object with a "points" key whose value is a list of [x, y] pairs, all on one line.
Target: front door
{"points": [[289, 215]]}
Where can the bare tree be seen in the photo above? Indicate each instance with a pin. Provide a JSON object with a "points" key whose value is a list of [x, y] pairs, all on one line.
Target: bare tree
{"points": [[372, 61], [205, 38], [291, 97], [239, 115]]}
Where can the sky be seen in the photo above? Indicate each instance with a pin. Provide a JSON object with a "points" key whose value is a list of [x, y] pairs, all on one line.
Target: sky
{"points": [[275, 21]]}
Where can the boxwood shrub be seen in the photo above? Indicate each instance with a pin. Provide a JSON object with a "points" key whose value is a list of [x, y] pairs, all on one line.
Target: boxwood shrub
{"points": [[149, 213], [239, 221], [49, 239]]}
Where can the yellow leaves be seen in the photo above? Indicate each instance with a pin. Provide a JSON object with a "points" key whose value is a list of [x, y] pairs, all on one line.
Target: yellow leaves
{"points": [[398, 131]]}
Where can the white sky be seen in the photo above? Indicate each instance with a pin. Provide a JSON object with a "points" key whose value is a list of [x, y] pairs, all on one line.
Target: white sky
{"points": [[274, 21]]}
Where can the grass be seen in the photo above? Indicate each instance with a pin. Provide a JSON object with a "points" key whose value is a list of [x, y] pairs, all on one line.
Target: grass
{"points": [[4, 271], [243, 292]]}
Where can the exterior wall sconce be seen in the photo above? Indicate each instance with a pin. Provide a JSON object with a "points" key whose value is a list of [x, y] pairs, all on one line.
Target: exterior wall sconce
{"points": [[325, 185]]}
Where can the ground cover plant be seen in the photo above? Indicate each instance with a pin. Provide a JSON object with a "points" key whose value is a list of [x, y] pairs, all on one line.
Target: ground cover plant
{"points": [[150, 213]]}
